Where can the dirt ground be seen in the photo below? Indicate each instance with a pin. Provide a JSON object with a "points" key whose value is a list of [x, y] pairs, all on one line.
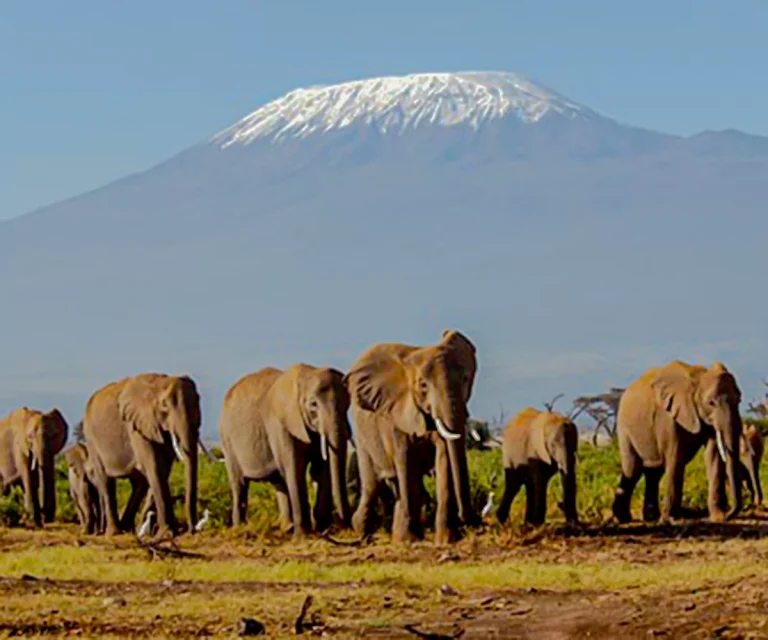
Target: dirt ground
{"points": [[677, 581]]}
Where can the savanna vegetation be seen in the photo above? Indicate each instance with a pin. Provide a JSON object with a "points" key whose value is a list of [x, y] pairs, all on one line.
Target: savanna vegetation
{"points": [[597, 469], [598, 580]]}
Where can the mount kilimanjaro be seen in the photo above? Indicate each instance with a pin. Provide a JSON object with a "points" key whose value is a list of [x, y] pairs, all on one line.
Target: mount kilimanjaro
{"points": [[573, 249]]}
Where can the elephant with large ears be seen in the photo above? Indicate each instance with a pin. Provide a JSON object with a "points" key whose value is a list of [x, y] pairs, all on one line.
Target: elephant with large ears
{"points": [[273, 426], [536, 445], [82, 490], [409, 406], [751, 451], [665, 416], [134, 428], [29, 442]]}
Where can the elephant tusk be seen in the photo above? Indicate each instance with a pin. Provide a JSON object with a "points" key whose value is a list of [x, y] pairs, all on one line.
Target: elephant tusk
{"points": [[324, 447], [475, 435], [720, 444], [447, 435], [176, 447], [34, 463]]}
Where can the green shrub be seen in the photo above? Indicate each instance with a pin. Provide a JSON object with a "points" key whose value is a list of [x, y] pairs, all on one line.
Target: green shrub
{"points": [[598, 471]]}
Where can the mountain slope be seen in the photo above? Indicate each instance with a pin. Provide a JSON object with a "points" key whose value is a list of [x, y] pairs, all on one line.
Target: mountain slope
{"points": [[573, 249]]}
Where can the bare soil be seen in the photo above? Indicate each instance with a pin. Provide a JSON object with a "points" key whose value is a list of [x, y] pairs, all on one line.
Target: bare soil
{"points": [[730, 604]]}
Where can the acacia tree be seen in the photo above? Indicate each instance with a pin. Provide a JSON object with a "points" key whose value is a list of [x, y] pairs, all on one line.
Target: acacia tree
{"points": [[760, 409], [603, 409]]}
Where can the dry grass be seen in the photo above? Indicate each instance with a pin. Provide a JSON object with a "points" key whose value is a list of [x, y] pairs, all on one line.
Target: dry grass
{"points": [[56, 582]]}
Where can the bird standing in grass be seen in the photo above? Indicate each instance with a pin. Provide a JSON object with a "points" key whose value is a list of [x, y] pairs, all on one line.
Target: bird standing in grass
{"points": [[488, 506], [203, 521], [146, 526]]}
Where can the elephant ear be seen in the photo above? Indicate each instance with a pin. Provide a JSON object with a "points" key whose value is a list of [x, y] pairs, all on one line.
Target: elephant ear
{"points": [[726, 382], [675, 392], [537, 443], [465, 354], [378, 384], [139, 405], [57, 430], [383, 385], [286, 404]]}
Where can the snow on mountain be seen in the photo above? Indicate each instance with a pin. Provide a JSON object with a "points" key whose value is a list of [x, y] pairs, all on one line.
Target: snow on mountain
{"points": [[397, 104]]}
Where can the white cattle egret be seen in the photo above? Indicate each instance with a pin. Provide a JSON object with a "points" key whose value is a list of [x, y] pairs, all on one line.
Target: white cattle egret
{"points": [[203, 522], [488, 506], [146, 526]]}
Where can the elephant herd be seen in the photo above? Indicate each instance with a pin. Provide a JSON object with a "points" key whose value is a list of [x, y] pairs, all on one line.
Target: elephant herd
{"points": [[409, 408]]}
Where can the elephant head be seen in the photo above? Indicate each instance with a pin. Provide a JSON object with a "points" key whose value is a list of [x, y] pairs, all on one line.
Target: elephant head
{"points": [[422, 390], [43, 436], [709, 396], [307, 400], [165, 408], [554, 439]]}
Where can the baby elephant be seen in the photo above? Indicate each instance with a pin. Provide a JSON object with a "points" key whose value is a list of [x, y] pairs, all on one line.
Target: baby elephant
{"points": [[536, 445], [750, 455], [84, 493]]}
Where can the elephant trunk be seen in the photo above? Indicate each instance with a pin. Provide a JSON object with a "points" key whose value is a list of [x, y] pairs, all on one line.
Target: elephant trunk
{"points": [[733, 464], [338, 465], [457, 456], [190, 469], [47, 472]]}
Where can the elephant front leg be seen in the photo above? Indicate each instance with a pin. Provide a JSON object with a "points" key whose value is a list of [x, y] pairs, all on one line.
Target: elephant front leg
{"points": [[536, 498], [296, 480], [157, 469], [402, 522], [323, 510], [716, 499], [29, 480], [755, 471]]}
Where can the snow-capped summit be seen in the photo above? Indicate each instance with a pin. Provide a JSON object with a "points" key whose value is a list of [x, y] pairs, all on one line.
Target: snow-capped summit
{"points": [[397, 104]]}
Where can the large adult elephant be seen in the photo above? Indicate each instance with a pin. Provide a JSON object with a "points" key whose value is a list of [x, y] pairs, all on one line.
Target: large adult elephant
{"points": [[133, 428], [664, 418], [274, 425], [409, 406], [29, 442]]}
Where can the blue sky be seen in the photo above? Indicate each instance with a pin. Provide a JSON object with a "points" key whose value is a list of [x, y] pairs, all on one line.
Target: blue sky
{"points": [[93, 90]]}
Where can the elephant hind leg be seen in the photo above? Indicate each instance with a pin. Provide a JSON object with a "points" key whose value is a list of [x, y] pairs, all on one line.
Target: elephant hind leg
{"points": [[283, 507], [631, 470], [138, 491], [239, 488], [362, 520], [512, 483], [651, 510]]}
